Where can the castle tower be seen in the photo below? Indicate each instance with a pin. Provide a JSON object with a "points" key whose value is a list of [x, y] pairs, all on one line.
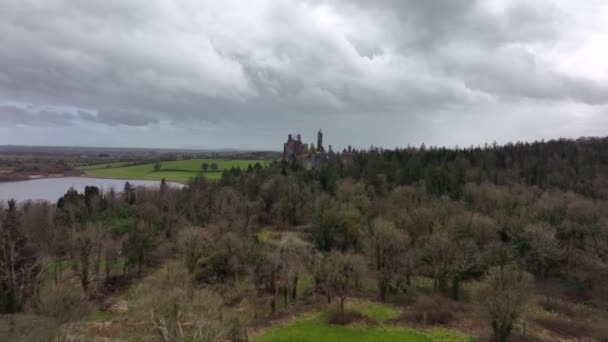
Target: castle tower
{"points": [[319, 140]]}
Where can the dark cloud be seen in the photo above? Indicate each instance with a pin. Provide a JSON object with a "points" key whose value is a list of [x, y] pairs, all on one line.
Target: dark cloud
{"points": [[422, 26], [15, 115], [125, 117], [486, 48], [221, 68]]}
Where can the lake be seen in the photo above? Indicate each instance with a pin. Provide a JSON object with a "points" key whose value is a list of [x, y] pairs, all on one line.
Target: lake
{"points": [[51, 189]]}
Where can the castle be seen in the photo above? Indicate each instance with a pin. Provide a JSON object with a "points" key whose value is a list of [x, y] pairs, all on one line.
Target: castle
{"points": [[309, 156]]}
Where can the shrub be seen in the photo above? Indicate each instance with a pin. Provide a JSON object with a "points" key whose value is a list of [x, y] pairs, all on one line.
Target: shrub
{"points": [[216, 268], [563, 327], [193, 243], [504, 292], [556, 306], [236, 331], [345, 318], [429, 310], [64, 302], [237, 291], [599, 331], [176, 309]]}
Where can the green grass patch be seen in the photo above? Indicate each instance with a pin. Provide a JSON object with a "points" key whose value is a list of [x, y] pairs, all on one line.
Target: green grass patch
{"points": [[306, 285], [102, 316], [55, 267], [22, 327], [369, 285], [117, 266], [223, 164], [144, 171], [176, 171], [264, 235], [121, 226], [422, 282], [314, 328], [376, 311], [63, 265]]}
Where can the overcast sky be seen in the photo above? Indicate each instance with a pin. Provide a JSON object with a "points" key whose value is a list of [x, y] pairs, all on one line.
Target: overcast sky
{"points": [[244, 74]]}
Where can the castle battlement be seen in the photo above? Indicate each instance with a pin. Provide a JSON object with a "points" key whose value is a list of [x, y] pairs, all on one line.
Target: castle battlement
{"points": [[309, 156]]}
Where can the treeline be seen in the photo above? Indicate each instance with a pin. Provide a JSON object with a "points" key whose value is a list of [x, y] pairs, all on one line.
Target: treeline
{"points": [[577, 165], [376, 228], [21, 168]]}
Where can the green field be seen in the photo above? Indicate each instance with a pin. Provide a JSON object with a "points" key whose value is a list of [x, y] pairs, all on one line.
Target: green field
{"points": [[314, 328], [376, 311], [175, 171]]}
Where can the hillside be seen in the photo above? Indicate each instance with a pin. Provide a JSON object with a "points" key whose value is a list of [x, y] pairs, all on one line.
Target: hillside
{"points": [[390, 246]]}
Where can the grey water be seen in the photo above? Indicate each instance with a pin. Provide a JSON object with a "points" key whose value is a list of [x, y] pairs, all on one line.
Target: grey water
{"points": [[51, 189]]}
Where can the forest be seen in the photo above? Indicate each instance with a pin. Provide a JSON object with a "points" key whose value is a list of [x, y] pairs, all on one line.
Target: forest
{"points": [[494, 243]]}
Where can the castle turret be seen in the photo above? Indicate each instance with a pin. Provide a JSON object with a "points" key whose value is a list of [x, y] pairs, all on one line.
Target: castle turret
{"points": [[320, 140], [296, 152]]}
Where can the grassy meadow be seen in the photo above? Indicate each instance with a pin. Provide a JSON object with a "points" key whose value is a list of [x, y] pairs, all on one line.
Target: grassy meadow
{"points": [[176, 171], [314, 327]]}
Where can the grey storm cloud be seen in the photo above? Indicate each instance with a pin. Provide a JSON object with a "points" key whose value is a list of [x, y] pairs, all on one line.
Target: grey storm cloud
{"points": [[15, 115], [408, 68]]}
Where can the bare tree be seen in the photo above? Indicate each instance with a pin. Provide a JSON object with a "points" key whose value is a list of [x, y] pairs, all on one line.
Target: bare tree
{"points": [[447, 259], [505, 291], [138, 246], [177, 310], [19, 264], [86, 252], [344, 274], [167, 207], [544, 251], [321, 274], [276, 275], [387, 248], [194, 243], [42, 227], [295, 256], [437, 257], [112, 252]]}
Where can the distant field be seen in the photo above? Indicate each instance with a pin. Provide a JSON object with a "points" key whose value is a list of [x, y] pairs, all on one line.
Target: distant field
{"points": [[176, 171], [102, 166], [314, 328]]}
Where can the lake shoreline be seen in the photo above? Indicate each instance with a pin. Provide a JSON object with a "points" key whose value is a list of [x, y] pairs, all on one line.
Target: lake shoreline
{"points": [[134, 179], [52, 188], [13, 176], [82, 175]]}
